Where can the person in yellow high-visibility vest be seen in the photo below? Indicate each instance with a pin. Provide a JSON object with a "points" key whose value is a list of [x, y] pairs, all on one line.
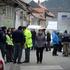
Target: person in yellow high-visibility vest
{"points": [[28, 43], [9, 46]]}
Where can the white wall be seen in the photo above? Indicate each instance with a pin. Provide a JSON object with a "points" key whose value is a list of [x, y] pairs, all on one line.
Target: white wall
{"points": [[52, 25], [63, 21], [17, 21], [7, 16]]}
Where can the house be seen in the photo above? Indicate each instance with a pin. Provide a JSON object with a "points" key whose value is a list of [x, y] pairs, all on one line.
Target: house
{"points": [[12, 12], [40, 12]]}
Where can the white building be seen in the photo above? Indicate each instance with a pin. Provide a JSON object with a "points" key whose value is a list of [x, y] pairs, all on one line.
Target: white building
{"points": [[63, 21]]}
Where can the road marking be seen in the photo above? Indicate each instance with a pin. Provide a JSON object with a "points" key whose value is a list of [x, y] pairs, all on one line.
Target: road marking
{"points": [[45, 67]]}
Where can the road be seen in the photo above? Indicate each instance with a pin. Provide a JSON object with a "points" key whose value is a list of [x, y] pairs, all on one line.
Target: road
{"points": [[49, 63]]}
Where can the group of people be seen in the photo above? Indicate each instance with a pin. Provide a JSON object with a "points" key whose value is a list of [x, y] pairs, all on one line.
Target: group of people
{"points": [[13, 41], [60, 41]]}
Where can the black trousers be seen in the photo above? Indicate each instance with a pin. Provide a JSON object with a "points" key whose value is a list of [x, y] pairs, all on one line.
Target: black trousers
{"points": [[55, 49], [60, 47], [18, 52], [39, 54], [3, 49], [48, 45], [9, 53], [27, 54]]}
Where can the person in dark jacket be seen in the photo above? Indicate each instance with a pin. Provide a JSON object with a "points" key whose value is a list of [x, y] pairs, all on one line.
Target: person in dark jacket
{"points": [[19, 40], [60, 42], [40, 44], [65, 41], [33, 38], [48, 40], [3, 41]]}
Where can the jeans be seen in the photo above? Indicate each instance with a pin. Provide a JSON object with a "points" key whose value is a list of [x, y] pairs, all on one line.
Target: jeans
{"points": [[18, 52], [55, 49]]}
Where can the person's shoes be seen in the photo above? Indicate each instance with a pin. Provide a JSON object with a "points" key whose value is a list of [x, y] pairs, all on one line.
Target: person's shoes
{"points": [[11, 60], [19, 62], [56, 55], [40, 62], [26, 62], [65, 55], [53, 54], [37, 62], [60, 51], [7, 62], [49, 49], [14, 62]]}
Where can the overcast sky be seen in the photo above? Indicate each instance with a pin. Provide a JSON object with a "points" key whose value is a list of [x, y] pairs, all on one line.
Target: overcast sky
{"points": [[27, 1], [40, 0]]}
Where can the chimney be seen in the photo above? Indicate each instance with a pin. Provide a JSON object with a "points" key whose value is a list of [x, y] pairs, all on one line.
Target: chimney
{"points": [[38, 2]]}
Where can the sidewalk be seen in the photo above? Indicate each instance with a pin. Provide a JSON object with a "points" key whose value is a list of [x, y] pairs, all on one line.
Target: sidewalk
{"points": [[49, 63]]}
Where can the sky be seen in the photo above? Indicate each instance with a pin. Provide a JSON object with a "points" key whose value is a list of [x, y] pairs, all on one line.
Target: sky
{"points": [[40, 0], [27, 1]]}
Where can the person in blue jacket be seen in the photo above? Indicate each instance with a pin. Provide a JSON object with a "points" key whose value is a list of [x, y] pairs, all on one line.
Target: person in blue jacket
{"points": [[55, 41]]}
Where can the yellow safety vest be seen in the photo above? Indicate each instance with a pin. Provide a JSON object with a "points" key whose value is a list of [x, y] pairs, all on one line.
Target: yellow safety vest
{"points": [[9, 40], [28, 38]]}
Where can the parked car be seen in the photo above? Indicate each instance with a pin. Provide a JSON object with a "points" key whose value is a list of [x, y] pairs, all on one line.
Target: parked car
{"points": [[2, 63]]}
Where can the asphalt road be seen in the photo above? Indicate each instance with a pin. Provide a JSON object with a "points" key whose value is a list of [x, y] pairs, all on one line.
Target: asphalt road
{"points": [[49, 63]]}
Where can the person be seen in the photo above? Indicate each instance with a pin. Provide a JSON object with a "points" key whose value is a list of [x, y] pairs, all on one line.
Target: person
{"points": [[3, 41], [65, 41], [33, 38], [40, 44], [9, 46], [60, 42], [19, 40], [55, 41], [28, 43], [48, 40]]}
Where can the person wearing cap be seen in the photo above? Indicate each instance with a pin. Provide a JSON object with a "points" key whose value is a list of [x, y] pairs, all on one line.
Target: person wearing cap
{"points": [[28, 43]]}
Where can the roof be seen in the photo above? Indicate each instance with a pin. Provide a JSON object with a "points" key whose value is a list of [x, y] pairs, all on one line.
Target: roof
{"points": [[34, 4], [39, 16], [50, 14], [43, 7], [42, 13], [40, 9], [15, 3]]}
